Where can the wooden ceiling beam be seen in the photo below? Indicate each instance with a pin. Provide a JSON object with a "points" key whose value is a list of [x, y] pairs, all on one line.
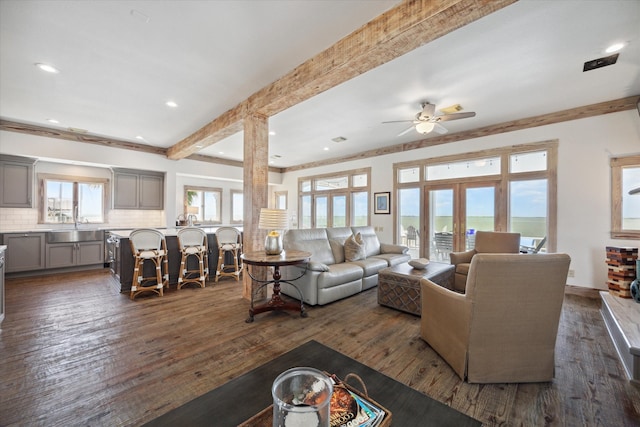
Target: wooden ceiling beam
{"points": [[400, 30], [47, 132]]}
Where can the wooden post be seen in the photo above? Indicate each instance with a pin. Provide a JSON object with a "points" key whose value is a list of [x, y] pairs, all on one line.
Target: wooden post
{"points": [[256, 192]]}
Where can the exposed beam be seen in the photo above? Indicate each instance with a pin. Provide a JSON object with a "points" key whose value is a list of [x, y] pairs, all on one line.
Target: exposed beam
{"points": [[88, 138], [623, 104], [402, 29], [48, 132]]}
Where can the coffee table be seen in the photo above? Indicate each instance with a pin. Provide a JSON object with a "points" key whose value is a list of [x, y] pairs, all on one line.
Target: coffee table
{"points": [[399, 286], [241, 398]]}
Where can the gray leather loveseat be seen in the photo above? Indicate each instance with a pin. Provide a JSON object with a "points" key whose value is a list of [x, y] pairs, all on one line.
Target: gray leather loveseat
{"points": [[331, 274]]}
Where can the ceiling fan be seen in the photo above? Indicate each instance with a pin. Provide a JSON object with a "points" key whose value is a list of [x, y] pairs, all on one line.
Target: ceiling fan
{"points": [[427, 121]]}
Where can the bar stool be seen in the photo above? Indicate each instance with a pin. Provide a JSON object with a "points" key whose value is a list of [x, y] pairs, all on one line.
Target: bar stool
{"points": [[228, 241], [148, 244], [193, 243]]}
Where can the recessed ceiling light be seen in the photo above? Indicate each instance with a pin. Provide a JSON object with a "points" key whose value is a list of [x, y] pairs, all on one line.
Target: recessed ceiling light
{"points": [[53, 121], [272, 133], [48, 68], [220, 152], [614, 47], [326, 148], [141, 138], [171, 104]]}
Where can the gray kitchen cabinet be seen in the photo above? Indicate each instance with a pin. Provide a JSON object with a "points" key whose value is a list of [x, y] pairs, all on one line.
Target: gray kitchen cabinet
{"points": [[25, 251], [16, 182], [74, 254], [133, 189]]}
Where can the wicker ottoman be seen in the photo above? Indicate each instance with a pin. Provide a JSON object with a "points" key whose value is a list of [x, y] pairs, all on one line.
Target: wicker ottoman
{"points": [[399, 286]]}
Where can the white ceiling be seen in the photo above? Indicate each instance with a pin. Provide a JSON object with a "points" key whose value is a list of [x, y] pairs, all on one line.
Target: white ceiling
{"points": [[120, 61]]}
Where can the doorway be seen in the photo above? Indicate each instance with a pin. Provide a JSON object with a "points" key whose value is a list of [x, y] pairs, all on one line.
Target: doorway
{"points": [[455, 213]]}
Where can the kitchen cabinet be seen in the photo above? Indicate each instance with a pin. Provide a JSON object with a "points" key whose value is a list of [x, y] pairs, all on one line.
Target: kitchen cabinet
{"points": [[16, 182], [134, 189], [74, 254], [25, 251]]}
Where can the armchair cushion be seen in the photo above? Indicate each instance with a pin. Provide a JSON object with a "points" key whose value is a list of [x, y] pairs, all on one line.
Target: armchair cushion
{"points": [[485, 242]]}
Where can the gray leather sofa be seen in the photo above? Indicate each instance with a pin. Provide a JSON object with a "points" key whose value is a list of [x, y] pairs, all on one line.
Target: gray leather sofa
{"points": [[329, 275]]}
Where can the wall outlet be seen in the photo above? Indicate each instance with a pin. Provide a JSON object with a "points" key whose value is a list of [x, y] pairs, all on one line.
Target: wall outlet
{"points": [[571, 273]]}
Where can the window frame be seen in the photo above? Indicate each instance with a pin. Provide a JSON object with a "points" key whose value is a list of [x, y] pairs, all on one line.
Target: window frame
{"points": [[75, 181], [216, 190], [234, 193], [503, 178], [617, 164], [349, 191]]}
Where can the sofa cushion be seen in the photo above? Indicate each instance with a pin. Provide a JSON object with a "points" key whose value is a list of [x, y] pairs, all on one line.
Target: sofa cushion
{"points": [[337, 237], [312, 240], [393, 258], [339, 274], [354, 248], [372, 265]]}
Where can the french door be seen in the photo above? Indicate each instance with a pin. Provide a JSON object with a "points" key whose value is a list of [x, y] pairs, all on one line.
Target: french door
{"points": [[331, 210], [455, 212]]}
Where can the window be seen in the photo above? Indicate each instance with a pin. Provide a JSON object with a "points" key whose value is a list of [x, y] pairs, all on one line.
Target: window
{"points": [[625, 197], [67, 199], [504, 189], [335, 200], [281, 199], [203, 202], [237, 206]]}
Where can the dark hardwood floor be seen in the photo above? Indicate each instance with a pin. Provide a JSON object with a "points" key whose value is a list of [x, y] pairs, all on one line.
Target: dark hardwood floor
{"points": [[74, 351]]}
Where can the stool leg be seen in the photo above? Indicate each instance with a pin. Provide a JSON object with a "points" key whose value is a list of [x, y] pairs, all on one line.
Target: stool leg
{"points": [[220, 263], [235, 264], [136, 275], [182, 272]]}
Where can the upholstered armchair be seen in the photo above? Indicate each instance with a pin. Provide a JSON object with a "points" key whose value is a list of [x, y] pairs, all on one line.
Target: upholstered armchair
{"points": [[486, 242], [503, 329]]}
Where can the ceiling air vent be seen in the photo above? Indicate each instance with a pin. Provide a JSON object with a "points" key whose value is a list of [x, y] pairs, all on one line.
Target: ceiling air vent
{"points": [[600, 62]]}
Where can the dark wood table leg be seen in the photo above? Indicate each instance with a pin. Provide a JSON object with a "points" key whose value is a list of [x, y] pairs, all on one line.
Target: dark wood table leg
{"points": [[276, 302]]}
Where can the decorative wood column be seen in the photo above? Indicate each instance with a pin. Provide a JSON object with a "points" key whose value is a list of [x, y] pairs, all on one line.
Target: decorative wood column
{"points": [[256, 192]]}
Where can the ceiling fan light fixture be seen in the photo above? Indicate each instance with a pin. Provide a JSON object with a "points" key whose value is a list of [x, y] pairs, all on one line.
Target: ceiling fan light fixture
{"points": [[424, 128]]}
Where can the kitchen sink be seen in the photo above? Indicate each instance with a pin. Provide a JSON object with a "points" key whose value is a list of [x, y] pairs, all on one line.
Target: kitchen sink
{"points": [[68, 236]]}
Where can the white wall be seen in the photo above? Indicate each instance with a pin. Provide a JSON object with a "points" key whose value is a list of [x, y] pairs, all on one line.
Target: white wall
{"points": [[98, 157], [584, 196], [584, 199]]}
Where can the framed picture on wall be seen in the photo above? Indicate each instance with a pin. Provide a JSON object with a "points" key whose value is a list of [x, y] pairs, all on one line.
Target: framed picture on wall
{"points": [[382, 203]]}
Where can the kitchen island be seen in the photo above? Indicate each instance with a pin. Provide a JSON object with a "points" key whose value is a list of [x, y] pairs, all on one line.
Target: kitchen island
{"points": [[122, 257]]}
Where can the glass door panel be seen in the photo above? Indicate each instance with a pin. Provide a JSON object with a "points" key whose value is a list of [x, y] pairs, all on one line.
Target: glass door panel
{"points": [[480, 213], [409, 213], [441, 220]]}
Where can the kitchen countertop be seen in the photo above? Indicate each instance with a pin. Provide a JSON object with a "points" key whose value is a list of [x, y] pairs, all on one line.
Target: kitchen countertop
{"points": [[165, 231], [3, 248]]}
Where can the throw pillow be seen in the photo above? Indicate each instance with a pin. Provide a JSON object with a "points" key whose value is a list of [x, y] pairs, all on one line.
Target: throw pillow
{"points": [[354, 248]]}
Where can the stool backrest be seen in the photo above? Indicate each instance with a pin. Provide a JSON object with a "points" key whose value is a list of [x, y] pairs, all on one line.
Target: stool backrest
{"points": [[192, 236], [227, 235], [146, 239]]}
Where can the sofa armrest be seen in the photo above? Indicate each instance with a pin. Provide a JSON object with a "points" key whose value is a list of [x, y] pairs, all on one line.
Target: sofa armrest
{"points": [[387, 248], [318, 266], [462, 257]]}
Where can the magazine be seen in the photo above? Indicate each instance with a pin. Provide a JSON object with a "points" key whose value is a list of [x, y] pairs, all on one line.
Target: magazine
{"points": [[350, 409]]}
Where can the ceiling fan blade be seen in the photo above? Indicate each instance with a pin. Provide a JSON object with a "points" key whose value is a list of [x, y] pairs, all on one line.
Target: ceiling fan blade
{"points": [[398, 121], [454, 116], [407, 130], [438, 128]]}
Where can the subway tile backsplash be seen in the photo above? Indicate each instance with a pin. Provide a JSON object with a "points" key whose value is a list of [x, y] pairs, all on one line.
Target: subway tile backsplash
{"points": [[23, 219]]}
